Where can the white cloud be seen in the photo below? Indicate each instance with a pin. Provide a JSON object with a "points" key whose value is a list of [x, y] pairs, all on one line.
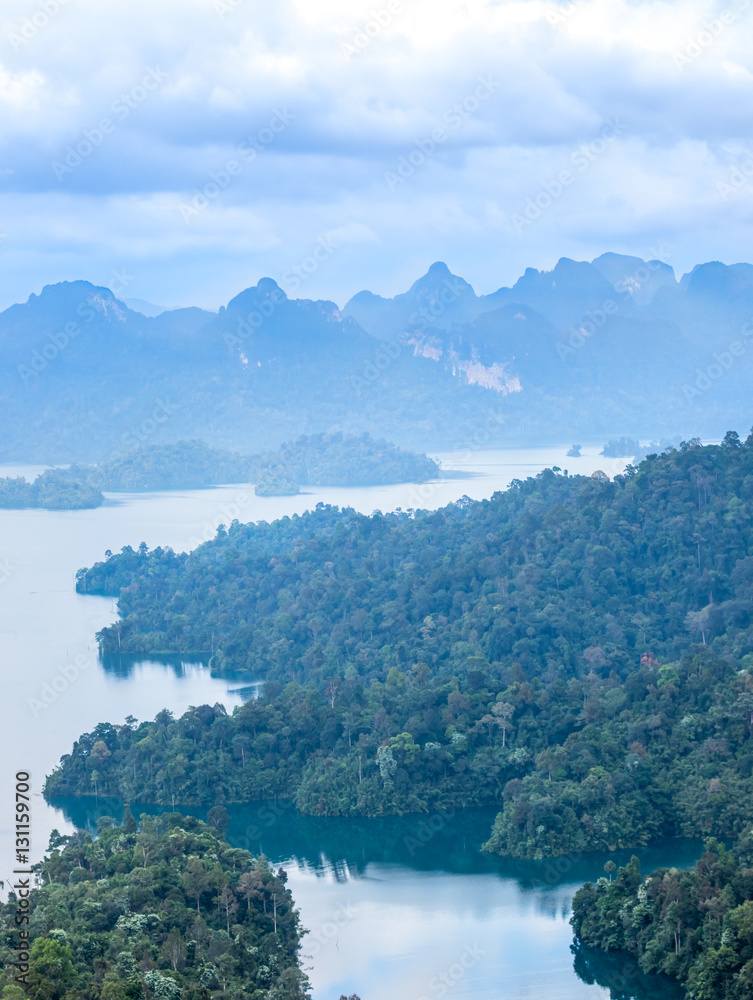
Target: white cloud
{"points": [[562, 69]]}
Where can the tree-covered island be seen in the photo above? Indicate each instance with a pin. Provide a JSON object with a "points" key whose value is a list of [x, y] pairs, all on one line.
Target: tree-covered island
{"points": [[316, 460], [54, 489]]}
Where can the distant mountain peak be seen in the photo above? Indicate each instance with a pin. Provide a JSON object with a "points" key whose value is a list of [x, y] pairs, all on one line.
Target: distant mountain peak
{"points": [[65, 289], [266, 289], [438, 269], [268, 286], [439, 273]]}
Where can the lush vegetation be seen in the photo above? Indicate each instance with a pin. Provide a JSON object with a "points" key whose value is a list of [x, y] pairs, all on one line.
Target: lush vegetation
{"points": [[654, 448], [317, 460], [576, 649], [694, 925], [340, 460], [163, 910], [320, 460], [624, 447], [54, 489], [273, 484], [181, 466]]}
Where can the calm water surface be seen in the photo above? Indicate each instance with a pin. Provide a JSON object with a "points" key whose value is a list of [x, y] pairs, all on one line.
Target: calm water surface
{"points": [[396, 910]]}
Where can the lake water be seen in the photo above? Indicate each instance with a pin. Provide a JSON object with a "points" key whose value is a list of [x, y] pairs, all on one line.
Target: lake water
{"points": [[388, 919]]}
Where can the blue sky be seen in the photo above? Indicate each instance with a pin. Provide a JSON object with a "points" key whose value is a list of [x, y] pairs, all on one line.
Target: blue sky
{"points": [[197, 145]]}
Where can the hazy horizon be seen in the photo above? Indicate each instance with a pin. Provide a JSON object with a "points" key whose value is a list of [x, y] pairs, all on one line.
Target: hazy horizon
{"points": [[301, 293]]}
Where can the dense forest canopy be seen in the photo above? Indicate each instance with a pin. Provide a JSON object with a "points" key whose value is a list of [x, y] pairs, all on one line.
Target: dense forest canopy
{"points": [[694, 925], [164, 909], [576, 649]]}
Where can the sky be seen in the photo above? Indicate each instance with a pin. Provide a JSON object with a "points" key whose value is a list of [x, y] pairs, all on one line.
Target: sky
{"points": [[182, 149]]}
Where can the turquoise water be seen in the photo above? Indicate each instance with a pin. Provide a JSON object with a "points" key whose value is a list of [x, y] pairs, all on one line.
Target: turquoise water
{"points": [[406, 907]]}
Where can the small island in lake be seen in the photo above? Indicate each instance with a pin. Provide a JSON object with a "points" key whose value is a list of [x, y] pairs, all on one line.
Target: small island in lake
{"points": [[316, 460], [276, 485], [54, 489]]}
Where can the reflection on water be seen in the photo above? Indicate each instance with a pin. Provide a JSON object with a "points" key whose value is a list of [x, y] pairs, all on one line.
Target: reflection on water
{"points": [[125, 665], [191, 670], [392, 903], [619, 973]]}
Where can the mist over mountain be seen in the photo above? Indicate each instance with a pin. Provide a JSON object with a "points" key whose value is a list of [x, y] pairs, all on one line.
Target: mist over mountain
{"points": [[617, 346]]}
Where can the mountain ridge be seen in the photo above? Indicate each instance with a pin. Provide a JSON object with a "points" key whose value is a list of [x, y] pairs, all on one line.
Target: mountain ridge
{"points": [[615, 346]]}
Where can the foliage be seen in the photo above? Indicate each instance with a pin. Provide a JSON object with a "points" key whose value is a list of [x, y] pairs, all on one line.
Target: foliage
{"points": [[319, 459], [54, 489], [341, 460], [273, 484], [164, 911], [184, 465], [576, 649], [623, 448], [694, 925]]}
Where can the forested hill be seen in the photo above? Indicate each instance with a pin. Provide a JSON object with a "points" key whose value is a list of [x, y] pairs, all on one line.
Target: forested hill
{"points": [[314, 460], [164, 909], [54, 489], [694, 925], [578, 649], [311, 460]]}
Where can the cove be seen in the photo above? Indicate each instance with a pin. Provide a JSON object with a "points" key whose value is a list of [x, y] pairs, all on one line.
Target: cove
{"points": [[409, 908]]}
